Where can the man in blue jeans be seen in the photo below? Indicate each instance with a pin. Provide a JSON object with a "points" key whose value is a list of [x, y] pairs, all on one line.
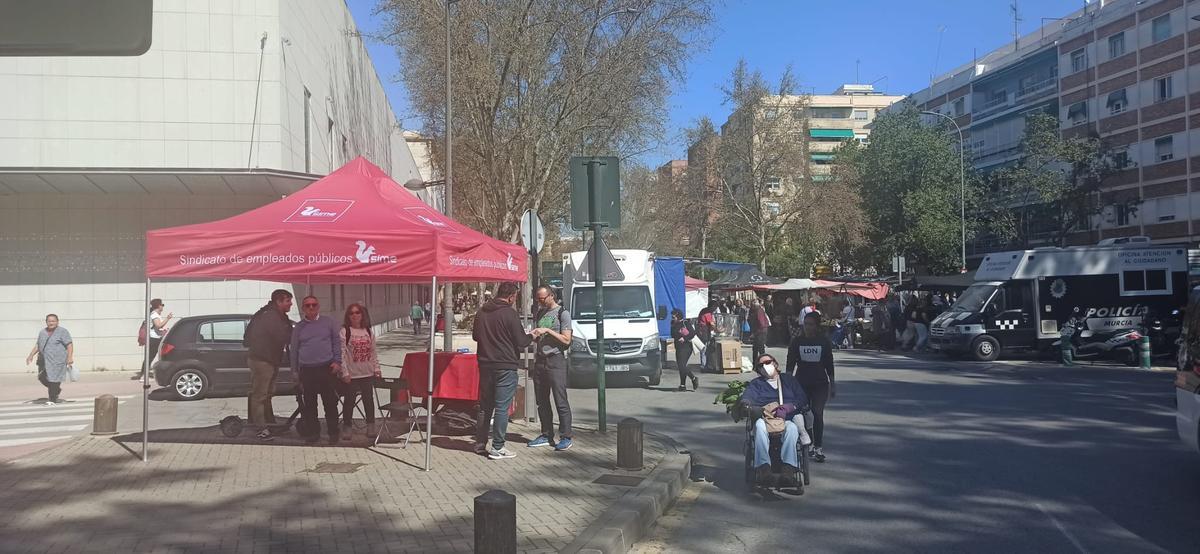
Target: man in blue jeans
{"points": [[500, 338]]}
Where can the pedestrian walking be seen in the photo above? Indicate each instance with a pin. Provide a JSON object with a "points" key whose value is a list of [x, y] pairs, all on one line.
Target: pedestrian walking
{"points": [[154, 335], [266, 336], [743, 319], [360, 368], [553, 327], [317, 357], [760, 324], [706, 329], [55, 354], [810, 360], [417, 314], [881, 327], [682, 333], [920, 318], [500, 338]]}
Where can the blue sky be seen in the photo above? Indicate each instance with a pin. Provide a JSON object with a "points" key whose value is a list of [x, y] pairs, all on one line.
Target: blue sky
{"points": [[894, 41]]}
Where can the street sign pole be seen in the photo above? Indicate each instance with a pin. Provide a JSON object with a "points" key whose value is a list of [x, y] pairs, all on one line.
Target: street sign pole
{"points": [[530, 400], [598, 279]]}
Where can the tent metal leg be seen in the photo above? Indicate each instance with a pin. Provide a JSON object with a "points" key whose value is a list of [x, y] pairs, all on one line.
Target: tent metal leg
{"points": [[146, 380], [429, 393]]}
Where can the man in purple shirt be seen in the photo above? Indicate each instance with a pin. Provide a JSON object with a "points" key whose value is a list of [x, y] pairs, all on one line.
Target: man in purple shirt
{"points": [[316, 353]]}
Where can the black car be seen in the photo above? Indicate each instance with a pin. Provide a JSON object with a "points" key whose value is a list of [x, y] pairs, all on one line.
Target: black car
{"points": [[203, 356]]}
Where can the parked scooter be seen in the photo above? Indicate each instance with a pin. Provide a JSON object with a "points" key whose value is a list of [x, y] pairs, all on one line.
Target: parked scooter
{"points": [[1119, 345]]}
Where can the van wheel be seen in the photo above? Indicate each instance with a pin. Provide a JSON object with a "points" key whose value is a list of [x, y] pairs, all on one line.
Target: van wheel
{"points": [[655, 379], [189, 384], [985, 349]]}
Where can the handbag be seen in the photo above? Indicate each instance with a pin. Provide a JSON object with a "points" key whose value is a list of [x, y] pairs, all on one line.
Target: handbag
{"points": [[697, 343], [774, 423], [72, 373]]}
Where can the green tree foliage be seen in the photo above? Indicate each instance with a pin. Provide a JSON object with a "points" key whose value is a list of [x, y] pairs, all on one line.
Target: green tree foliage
{"points": [[1054, 190], [909, 180]]}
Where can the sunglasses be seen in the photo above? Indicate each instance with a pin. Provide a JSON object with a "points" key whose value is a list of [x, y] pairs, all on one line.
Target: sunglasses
{"points": [[310, 305], [355, 312]]}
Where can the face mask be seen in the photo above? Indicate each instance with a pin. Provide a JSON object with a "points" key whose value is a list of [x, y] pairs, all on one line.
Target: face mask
{"points": [[769, 369]]}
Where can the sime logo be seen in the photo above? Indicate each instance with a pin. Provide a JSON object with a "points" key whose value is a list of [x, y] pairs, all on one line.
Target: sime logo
{"points": [[366, 254], [313, 211], [320, 210], [512, 266]]}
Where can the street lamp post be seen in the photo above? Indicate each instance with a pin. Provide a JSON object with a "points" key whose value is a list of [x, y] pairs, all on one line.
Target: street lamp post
{"points": [[962, 185], [448, 287]]}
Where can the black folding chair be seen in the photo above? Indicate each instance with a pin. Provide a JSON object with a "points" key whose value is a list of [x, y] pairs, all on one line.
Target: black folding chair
{"points": [[407, 408]]}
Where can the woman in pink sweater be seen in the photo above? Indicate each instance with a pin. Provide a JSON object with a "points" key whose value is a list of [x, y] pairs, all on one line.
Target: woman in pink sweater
{"points": [[360, 366]]}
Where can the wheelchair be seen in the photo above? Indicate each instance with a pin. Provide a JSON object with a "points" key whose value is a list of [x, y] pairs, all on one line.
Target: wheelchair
{"points": [[752, 414]]}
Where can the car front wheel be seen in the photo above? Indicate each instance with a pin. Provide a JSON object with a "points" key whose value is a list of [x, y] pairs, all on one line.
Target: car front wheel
{"points": [[189, 384], [985, 349]]}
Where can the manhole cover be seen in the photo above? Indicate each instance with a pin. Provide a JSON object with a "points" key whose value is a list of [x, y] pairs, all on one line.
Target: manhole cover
{"points": [[329, 467], [619, 480]]}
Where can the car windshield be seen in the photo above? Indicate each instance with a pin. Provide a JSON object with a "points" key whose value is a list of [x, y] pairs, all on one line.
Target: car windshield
{"points": [[973, 299], [619, 302]]}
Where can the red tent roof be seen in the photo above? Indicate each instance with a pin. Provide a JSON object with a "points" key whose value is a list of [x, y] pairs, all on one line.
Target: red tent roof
{"points": [[692, 283], [356, 225]]}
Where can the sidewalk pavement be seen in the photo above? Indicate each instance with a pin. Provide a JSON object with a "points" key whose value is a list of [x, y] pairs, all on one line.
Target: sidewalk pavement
{"points": [[201, 491]]}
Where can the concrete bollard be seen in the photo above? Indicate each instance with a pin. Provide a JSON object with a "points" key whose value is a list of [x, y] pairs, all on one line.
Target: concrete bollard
{"points": [[629, 444], [495, 523], [1144, 351], [104, 416]]}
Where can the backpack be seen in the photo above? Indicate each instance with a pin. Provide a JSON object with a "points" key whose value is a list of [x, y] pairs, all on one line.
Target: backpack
{"points": [[142, 334]]}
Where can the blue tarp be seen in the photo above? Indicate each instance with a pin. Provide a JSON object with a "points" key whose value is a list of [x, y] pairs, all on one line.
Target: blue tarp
{"points": [[668, 291]]}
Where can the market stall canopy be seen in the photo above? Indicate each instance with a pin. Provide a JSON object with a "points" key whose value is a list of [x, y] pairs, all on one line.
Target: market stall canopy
{"points": [[744, 278], [692, 283], [791, 284], [356, 225], [871, 290], [941, 282]]}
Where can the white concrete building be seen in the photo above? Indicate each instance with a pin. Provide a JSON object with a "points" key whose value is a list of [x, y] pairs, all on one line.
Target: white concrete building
{"points": [[235, 104]]}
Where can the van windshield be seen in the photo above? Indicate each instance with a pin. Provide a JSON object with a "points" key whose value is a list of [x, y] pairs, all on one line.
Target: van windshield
{"points": [[619, 303], [974, 298]]}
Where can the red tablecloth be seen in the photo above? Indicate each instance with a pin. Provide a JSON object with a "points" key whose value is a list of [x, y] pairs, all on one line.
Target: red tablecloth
{"points": [[455, 375]]}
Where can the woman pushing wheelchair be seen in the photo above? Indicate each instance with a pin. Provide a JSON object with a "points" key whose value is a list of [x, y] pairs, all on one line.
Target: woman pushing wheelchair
{"points": [[776, 406]]}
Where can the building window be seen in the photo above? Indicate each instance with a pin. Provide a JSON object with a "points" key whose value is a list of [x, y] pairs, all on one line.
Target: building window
{"points": [[830, 113], [772, 208], [1117, 102], [770, 113], [1162, 89], [1078, 60], [333, 162], [1144, 282], [960, 107], [1120, 158], [774, 184], [1165, 208], [1160, 29], [860, 115], [1164, 148], [1116, 46], [1124, 214], [1077, 113], [307, 131]]}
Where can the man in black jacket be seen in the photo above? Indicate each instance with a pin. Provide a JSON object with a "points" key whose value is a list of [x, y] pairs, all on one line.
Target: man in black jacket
{"points": [[499, 337], [267, 334], [810, 360]]}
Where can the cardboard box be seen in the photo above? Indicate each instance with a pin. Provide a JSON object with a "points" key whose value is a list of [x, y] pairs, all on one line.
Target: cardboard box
{"points": [[731, 355]]}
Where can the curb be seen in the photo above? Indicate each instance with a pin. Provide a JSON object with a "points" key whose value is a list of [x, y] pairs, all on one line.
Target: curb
{"points": [[631, 517]]}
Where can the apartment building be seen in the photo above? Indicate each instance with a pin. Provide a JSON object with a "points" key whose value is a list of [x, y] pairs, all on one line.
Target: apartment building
{"points": [[1121, 70], [234, 105], [838, 117]]}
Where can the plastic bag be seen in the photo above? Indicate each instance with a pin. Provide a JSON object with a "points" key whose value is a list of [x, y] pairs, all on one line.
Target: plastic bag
{"points": [[72, 373]]}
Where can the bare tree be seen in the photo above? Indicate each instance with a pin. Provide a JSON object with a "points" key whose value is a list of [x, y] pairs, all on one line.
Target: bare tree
{"points": [[537, 81], [654, 214], [769, 196]]}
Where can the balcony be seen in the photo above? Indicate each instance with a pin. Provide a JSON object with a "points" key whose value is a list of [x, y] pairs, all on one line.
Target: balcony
{"points": [[993, 107], [1036, 90]]}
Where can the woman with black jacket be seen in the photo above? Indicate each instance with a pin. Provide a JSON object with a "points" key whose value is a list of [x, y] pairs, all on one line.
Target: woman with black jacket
{"points": [[682, 333]]}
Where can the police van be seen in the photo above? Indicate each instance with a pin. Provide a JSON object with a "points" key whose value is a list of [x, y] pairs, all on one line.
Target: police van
{"points": [[1020, 299]]}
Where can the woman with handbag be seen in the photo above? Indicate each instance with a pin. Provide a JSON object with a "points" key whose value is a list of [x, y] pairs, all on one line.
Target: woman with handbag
{"points": [[55, 354], [682, 333]]}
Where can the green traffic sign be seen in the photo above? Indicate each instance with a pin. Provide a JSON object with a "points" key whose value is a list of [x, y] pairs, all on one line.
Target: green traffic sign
{"points": [[606, 188]]}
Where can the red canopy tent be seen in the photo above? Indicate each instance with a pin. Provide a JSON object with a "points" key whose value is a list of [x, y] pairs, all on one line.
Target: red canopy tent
{"points": [[354, 226]]}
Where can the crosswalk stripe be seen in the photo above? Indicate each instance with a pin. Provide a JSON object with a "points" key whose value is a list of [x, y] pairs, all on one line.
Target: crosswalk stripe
{"points": [[20, 442], [46, 410], [54, 429], [13, 410], [48, 419], [75, 402]]}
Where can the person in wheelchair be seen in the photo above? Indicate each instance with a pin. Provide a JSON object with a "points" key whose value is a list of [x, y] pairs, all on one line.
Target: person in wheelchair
{"points": [[781, 402]]}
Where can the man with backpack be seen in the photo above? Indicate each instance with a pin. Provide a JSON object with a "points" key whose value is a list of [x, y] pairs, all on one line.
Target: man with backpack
{"points": [[267, 335], [553, 329]]}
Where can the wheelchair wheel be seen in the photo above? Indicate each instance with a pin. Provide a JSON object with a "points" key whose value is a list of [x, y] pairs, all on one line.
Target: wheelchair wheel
{"points": [[804, 463], [748, 448]]}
